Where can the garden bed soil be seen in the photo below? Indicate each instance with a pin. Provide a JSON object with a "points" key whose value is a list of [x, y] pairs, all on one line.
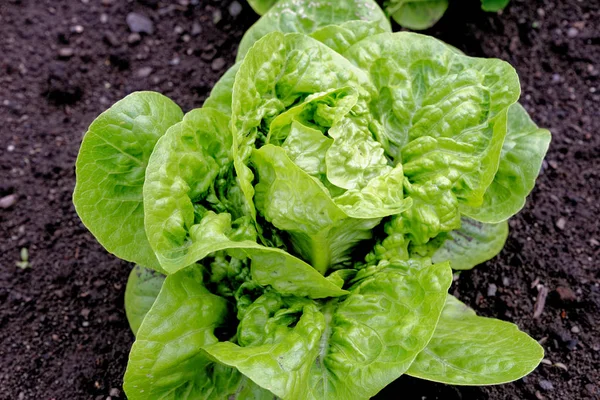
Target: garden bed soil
{"points": [[63, 331]]}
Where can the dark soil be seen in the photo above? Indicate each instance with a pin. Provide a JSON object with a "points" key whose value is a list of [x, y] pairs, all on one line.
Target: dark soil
{"points": [[63, 331]]}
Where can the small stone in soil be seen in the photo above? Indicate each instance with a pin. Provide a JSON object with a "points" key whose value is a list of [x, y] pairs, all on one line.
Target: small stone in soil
{"points": [[217, 16], [491, 292], [66, 52], [235, 9], [561, 223], [572, 32], [144, 72], [8, 201], [546, 385], [218, 64], [111, 39], [114, 392], [575, 329], [566, 294], [196, 29], [139, 23], [134, 38]]}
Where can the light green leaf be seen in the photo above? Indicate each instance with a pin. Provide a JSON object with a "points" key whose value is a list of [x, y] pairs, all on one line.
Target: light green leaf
{"points": [[443, 117], [180, 196], [341, 37], [166, 361], [348, 348], [416, 14], [494, 5], [299, 204], [523, 151], [261, 6], [142, 289], [471, 350], [306, 16], [110, 173], [474, 243]]}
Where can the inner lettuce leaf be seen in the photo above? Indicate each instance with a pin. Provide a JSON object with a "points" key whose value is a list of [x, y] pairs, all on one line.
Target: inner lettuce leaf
{"points": [[522, 154], [346, 348], [307, 16], [471, 350], [110, 172], [194, 208], [167, 361]]}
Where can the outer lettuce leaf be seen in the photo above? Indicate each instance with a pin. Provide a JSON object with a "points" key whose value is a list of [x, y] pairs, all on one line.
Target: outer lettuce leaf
{"points": [[261, 6], [308, 16], [110, 172], [142, 289], [341, 37], [444, 119], [416, 14], [494, 5], [471, 350], [167, 360], [523, 151], [188, 162], [474, 243], [342, 349]]}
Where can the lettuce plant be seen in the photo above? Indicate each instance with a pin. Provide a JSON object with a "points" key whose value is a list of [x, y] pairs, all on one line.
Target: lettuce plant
{"points": [[295, 236], [412, 14]]}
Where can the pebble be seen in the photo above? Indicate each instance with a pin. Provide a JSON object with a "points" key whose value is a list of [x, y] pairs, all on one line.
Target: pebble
{"points": [[217, 16], [144, 72], [561, 223], [594, 242], [235, 9], [8, 201], [572, 32], [575, 329], [218, 64], [196, 29], [103, 18], [77, 29], [114, 392], [546, 385], [566, 294], [66, 52], [491, 292], [134, 38], [139, 23]]}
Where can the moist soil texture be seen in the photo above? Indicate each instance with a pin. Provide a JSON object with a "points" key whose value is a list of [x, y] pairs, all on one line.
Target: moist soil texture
{"points": [[63, 330]]}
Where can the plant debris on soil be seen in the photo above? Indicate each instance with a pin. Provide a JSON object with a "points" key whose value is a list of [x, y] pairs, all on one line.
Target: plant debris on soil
{"points": [[63, 330]]}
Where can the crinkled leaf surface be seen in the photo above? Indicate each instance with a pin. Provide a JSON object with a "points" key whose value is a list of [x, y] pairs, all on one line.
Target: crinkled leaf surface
{"points": [[189, 161], [110, 171], [340, 37], [348, 348], [444, 119], [523, 151], [474, 243], [307, 16], [142, 289], [494, 5], [416, 14], [471, 350], [166, 360]]}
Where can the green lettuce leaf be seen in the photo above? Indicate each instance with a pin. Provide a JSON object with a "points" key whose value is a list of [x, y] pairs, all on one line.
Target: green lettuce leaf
{"points": [[444, 118], [188, 217], [471, 350], [523, 151], [167, 361], [307, 16], [261, 6], [474, 243], [110, 171], [416, 14], [221, 93], [494, 5], [299, 204], [142, 289], [348, 348], [341, 37]]}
